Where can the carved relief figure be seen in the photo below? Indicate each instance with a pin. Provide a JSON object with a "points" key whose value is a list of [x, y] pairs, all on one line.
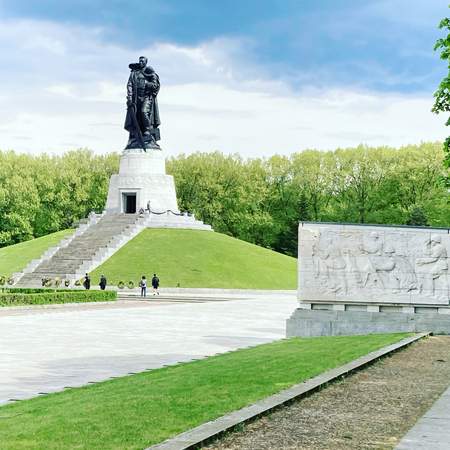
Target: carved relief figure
{"points": [[329, 264], [434, 267], [380, 263], [404, 272]]}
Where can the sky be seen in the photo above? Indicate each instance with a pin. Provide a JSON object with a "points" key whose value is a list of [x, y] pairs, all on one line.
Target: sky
{"points": [[255, 77]]}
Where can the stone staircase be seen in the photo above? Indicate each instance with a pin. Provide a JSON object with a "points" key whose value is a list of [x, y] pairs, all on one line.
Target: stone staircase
{"points": [[85, 251]]}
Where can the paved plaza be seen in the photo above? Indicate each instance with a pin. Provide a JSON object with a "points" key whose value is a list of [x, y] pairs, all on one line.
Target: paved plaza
{"points": [[44, 350]]}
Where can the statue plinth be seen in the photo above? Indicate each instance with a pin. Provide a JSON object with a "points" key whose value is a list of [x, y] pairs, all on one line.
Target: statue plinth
{"points": [[141, 179]]}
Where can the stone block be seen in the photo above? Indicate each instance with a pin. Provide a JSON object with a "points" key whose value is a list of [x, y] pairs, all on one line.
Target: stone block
{"points": [[374, 264], [309, 323]]}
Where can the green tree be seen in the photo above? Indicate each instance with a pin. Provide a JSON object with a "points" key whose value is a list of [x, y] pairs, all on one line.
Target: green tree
{"points": [[257, 200], [417, 217], [442, 95]]}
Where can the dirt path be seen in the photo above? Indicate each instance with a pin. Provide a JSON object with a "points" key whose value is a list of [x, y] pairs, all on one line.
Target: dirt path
{"points": [[371, 409]]}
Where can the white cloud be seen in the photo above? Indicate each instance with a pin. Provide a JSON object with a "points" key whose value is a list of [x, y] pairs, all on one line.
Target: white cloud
{"points": [[65, 88]]}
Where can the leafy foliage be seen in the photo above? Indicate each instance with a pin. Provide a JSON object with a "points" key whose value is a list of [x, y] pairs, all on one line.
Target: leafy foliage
{"points": [[42, 194], [442, 95], [417, 218], [257, 200]]}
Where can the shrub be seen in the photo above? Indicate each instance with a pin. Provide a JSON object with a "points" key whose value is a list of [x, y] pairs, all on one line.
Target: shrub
{"points": [[14, 290], [47, 296], [417, 217]]}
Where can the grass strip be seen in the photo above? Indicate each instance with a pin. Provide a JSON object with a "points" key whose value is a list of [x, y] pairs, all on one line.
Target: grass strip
{"points": [[136, 411], [50, 297]]}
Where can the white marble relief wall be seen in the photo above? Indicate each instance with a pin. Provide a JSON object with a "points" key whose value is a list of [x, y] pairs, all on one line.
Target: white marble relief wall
{"points": [[354, 263]]}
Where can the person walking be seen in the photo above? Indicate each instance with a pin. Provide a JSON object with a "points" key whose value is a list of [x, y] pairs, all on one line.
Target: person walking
{"points": [[155, 284], [143, 286], [87, 281], [102, 283]]}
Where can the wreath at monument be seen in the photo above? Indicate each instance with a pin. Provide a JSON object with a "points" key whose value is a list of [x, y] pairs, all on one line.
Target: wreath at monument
{"points": [[10, 281], [58, 282], [121, 285], [79, 282], [2, 280], [66, 283], [130, 285]]}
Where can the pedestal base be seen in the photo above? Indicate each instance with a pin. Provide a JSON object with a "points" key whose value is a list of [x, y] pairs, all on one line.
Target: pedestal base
{"points": [[159, 190], [141, 179], [309, 323]]}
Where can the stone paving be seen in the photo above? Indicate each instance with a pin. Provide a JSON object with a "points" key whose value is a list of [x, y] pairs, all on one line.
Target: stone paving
{"points": [[432, 430], [46, 350]]}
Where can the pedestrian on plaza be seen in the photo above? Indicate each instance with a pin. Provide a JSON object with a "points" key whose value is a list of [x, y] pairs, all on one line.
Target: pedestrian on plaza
{"points": [[155, 284], [102, 282], [87, 281], [143, 286]]}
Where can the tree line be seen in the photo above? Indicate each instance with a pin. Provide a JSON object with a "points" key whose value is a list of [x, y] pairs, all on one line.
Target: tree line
{"points": [[258, 200]]}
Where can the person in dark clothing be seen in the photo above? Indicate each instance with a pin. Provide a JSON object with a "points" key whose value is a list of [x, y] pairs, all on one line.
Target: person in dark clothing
{"points": [[143, 286], [155, 284], [102, 283], [87, 281]]}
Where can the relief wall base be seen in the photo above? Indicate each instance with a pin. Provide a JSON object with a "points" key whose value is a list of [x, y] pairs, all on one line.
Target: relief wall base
{"points": [[311, 323]]}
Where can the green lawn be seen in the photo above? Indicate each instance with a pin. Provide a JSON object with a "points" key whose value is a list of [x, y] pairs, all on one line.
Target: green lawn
{"points": [[140, 410], [15, 257], [192, 258]]}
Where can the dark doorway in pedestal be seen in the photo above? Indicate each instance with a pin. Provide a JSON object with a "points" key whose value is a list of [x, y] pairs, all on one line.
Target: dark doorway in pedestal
{"points": [[129, 203]]}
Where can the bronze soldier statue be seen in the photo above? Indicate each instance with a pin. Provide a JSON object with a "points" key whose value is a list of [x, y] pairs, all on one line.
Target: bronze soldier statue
{"points": [[142, 120]]}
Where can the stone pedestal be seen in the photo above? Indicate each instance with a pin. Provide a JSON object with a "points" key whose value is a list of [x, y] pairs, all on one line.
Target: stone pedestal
{"points": [[142, 178], [329, 322]]}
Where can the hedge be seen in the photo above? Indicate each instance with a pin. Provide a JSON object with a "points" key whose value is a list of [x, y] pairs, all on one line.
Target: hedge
{"points": [[14, 290], [62, 296]]}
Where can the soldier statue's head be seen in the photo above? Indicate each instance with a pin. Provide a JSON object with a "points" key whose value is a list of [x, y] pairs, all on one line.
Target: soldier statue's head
{"points": [[142, 61]]}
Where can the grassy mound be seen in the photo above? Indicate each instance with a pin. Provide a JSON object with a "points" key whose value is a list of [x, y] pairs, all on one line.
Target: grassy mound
{"points": [[141, 410], [193, 258], [15, 257]]}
